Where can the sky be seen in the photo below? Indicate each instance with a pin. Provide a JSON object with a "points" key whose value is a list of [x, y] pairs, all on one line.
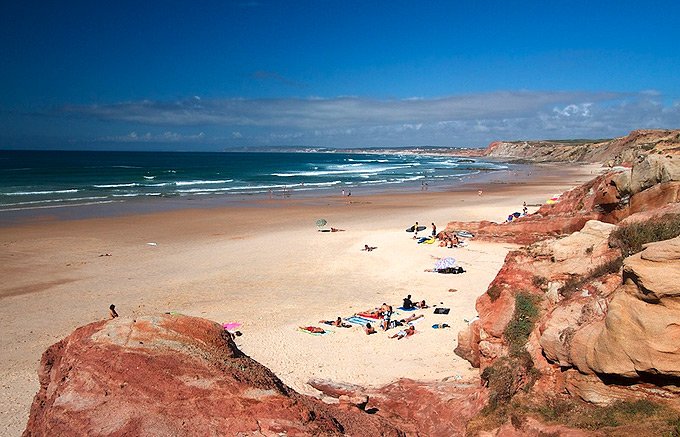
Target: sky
{"points": [[211, 75]]}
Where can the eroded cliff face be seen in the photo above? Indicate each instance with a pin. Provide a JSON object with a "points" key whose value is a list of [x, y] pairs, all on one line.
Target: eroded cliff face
{"points": [[613, 152], [174, 375], [651, 183]]}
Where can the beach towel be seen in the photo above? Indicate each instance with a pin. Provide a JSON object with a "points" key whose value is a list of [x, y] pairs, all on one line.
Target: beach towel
{"points": [[368, 315], [231, 326], [326, 332], [407, 309], [442, 310], [358, 320]]}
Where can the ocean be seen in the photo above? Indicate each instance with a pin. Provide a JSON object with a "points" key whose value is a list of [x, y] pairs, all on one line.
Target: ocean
{"points": [[50, 180]]}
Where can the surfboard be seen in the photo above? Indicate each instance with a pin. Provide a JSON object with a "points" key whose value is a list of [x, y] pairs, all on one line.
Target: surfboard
{"points": [[465, 234], [420, 228]]}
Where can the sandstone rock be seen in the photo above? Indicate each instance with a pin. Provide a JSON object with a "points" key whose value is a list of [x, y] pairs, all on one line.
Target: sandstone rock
{"points": [[655, 197], [468, 344], [590, 241], [656, 271], [652, 170], [638, 339], [173, 375], [591, 389]]}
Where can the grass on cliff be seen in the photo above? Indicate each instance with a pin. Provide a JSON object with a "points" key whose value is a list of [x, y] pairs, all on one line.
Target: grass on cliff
{"points": [[522, 323], [639, 417], [515, 372], [630, 238]]}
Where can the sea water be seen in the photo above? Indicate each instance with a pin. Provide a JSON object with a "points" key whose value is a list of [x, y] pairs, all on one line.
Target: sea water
{"points": [[42, 180]]}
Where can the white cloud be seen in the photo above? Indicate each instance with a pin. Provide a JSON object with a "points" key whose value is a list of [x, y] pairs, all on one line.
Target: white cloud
{"points": [[472, 119]]}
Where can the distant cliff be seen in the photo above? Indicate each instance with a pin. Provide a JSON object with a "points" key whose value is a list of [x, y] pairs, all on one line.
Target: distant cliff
{"points": [[613, 152]]}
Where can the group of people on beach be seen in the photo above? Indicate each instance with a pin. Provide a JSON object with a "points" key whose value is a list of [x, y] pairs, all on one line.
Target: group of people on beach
{"points": [[448, 240], [383, 317]]}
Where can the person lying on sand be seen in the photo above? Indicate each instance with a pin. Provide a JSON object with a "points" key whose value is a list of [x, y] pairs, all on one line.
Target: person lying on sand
{"points": [[368, 248], [404, 333], [337, 230], [421, 304], [368, 329], [313, 329], [412, 318], [337, 322]]}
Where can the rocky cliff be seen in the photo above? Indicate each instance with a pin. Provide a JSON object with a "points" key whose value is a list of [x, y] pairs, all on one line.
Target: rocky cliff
{"points": [[613, 152], [581, 312]]}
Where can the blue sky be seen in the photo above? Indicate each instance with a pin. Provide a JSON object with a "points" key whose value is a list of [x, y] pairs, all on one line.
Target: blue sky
{"points": [[211, 75]]}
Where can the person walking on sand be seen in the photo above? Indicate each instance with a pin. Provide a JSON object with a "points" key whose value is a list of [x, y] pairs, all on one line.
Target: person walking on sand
{"points": [[112, 311], [415, 230], [434, 230]]}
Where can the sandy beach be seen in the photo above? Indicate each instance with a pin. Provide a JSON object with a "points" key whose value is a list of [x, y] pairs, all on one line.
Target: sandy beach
{"points": [[266, 266]]}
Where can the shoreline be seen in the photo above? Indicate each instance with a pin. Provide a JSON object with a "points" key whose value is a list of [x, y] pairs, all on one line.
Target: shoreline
{"points": [[266, 266], [519, 174]]}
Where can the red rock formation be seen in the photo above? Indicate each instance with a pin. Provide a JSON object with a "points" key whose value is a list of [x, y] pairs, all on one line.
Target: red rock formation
{"points": [[419, 408], [174, 375]]}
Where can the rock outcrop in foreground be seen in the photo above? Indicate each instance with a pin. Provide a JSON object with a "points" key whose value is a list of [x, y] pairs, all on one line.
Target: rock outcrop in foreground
{"points": [[174, 375]]}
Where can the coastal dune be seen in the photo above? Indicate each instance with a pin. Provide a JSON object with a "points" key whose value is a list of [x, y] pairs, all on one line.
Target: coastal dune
{"points": [[262, 264]]}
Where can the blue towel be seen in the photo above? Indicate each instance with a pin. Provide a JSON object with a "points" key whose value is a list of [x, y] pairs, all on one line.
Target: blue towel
{"points": [[407, 309], [358, 320]]}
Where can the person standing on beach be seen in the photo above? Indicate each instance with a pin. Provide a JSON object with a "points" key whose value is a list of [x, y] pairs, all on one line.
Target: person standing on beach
{"points": [[343, 193], [415, 230], [434, 230]]}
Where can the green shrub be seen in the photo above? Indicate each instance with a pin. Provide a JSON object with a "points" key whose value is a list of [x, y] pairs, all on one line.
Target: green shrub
{"points": [[507, 376], [630, 238]]}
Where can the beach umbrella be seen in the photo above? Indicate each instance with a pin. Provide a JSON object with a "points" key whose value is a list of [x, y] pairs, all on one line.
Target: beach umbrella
{"points": [[321, 223], [445, 263]]}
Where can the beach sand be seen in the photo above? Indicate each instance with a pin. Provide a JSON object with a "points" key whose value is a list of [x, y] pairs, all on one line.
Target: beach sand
{"points": [[265, 265]]}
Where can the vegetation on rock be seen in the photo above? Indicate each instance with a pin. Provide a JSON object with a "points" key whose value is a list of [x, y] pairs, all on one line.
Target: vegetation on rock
{"points": [[631, 237]]}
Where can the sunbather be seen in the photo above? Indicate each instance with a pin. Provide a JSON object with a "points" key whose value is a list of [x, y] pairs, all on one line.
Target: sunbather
{"points": [[337, 322], [404, 333], [421, 304], [412, 318], [368, 329], [313, 329]]}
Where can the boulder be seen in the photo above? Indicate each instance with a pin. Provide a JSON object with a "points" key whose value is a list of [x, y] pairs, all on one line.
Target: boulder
{"points": [[656, 272], [655, 197], [652, 170], [174, 375]]}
